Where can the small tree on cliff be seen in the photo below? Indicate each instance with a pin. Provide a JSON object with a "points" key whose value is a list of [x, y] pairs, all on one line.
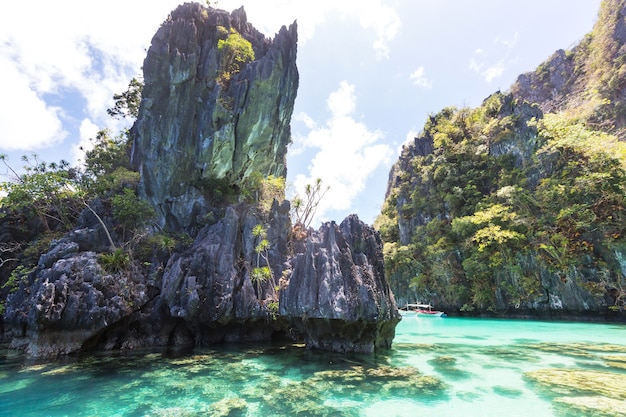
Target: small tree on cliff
{"points": [[303, 209], [127, 103], [47, 191], [236, 52], [261, 274]]}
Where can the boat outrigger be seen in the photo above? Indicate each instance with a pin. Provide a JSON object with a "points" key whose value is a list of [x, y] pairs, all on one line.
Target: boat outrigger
{"points": [[421, 310]]}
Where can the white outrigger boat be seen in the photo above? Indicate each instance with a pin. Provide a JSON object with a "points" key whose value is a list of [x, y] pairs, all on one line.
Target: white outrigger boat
{"points": [[420, 310]]}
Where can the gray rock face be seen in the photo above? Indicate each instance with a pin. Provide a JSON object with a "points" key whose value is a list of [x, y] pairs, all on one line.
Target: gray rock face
{"points": [[551, 86], [328, 290], [192, 127], [69, 300], [587, 77], [209, 288], [337, 295]]}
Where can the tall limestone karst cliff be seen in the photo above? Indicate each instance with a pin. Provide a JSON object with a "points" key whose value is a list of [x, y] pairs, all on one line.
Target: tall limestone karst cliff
{"points": [[216, 108], [221, 262], [519, 206]]}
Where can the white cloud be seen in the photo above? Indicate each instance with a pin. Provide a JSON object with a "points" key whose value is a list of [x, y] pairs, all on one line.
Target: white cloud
{"points": [[383, 19], [409, 138], [418, 77], [494, 72], [26, 121], [342, 102], [83, 50], [490, 69], [347, 153], [88, 130]]}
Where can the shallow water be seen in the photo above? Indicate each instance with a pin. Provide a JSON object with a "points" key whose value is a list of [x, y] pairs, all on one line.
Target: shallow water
{"points": [[438, 367]]}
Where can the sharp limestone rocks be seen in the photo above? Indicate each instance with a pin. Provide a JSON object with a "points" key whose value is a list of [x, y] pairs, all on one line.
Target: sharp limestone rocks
{"points": [[337, 294], [216, 109], [328, 290]]}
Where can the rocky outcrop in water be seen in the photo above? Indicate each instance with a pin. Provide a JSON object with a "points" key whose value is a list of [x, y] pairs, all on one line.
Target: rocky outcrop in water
{"points": [[204, 127], [69, 300], [337, 294], [329, 291], [208, 113]]}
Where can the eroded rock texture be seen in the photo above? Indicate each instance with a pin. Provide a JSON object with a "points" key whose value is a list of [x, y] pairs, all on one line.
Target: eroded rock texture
{"points": [[196, 125], [337, 296], [327, 289], [70, 299]]}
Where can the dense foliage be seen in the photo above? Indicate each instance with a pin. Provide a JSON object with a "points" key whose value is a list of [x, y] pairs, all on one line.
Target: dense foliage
{"points": [[235, 52], [503, 194], [520, 203]]}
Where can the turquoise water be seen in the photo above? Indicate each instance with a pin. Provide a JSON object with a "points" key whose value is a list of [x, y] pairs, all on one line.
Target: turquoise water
{"points": [[437, 367]]}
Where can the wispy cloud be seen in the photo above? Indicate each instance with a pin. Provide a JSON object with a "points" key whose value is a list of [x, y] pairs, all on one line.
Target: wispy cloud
{"points": [[418, 77], [491, 65], [347, 152], [26, 121], [81, 58], [374, 15], [92, 52]]}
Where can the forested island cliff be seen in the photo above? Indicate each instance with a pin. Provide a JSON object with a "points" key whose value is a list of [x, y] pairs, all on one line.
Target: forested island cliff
{"points": [[177, 232], [517, 207]]}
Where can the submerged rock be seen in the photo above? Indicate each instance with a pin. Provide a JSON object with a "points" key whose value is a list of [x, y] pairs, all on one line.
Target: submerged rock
{"points": [[599, 392]]}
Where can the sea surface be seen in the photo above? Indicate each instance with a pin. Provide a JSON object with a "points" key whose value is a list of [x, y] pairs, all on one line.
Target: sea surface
{"points": [[437, 367]]}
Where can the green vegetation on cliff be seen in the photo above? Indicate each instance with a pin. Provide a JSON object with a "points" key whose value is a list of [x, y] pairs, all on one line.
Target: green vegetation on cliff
{"points": [[521, 202], [235, 53], [506, 201]]}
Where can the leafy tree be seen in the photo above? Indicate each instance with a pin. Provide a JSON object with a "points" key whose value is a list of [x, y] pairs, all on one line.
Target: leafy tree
{"points": [[127, 103], [107, 165], [47, 191], [235, 52], [131, 212]]}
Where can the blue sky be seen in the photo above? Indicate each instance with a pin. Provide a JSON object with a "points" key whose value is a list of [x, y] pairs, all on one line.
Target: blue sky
{"points": [[371, 71]]}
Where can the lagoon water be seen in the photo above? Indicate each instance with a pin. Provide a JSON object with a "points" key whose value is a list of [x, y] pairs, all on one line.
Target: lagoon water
{"points": [[437, 367]]}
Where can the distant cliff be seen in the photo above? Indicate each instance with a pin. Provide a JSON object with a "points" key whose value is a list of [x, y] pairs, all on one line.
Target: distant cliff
{"points": [[588, 80], [216, 108], [518, 206]]}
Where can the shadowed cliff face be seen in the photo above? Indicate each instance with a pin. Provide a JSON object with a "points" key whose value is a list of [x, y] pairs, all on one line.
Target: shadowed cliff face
{"points": [[205, 116]]}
